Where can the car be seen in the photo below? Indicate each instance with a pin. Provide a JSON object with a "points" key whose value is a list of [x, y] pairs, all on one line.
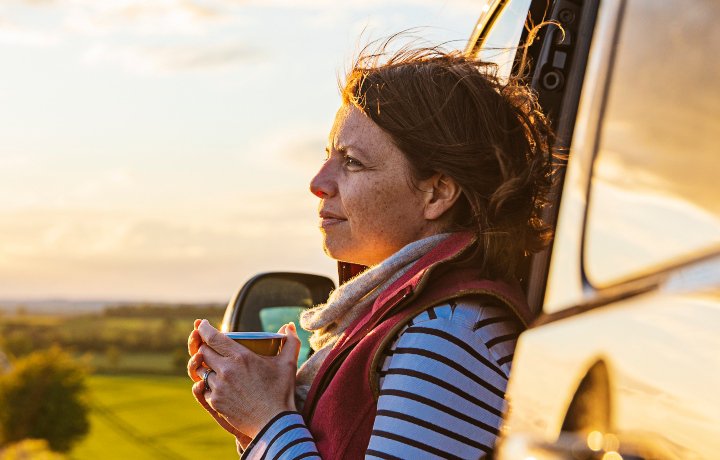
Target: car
{"points": [[623, 358]]}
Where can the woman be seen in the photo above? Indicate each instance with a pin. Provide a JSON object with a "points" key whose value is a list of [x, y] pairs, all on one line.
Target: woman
{"points": [[434, 176]]}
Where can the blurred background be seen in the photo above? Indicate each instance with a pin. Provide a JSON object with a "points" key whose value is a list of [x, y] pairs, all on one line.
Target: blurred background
{"points": [[153, 156]]}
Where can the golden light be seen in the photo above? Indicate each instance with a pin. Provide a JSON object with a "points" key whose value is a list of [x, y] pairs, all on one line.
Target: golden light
{"points": [[612, 443], [595, 440]]}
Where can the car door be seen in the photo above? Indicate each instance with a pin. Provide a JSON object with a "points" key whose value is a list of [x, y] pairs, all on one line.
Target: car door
{"points": [[623, 362]]}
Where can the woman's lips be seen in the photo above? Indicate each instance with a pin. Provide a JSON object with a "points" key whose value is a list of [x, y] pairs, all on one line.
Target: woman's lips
{"points": [[328, 220]]}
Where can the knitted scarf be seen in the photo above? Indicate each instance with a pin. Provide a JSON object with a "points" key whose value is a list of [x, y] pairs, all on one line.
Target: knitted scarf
{"points": [[349, 302]]}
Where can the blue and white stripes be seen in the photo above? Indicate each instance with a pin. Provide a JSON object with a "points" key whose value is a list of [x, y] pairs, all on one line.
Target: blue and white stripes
{"points": [[285, 436], [441, 389]]}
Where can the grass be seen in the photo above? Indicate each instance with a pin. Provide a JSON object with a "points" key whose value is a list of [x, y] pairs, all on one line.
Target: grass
{"points": [[133, 363], [149, 417]]}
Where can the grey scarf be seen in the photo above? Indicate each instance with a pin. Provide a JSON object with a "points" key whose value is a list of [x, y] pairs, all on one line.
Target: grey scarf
{"points": [[350, 301]]}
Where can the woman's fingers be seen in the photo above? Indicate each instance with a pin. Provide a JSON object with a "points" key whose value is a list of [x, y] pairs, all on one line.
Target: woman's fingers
{"points": [[211, 374], [291, 348], [198, 391], [213, 359], [194, 339], [194, 363], [194, 342], [216, 339]]}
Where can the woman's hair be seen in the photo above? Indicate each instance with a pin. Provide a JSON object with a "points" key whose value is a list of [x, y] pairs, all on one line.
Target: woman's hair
{"points": [[451, 114]]}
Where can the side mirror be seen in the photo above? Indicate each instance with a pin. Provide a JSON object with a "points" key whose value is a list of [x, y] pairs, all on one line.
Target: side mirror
{"points": [[269, 300]]}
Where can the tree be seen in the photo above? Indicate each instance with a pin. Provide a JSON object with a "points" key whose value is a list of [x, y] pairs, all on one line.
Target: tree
{"points": [[44, 397]]}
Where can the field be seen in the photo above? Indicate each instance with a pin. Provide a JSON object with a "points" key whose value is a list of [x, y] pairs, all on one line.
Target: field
{"points": [[140, 398], [128, 340], [149, 417]]}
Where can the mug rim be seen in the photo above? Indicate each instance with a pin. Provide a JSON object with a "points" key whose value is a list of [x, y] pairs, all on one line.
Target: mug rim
{"points": [[253, 335]]}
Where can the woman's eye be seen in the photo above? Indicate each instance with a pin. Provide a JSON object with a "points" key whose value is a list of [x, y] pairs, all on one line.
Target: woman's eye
{"points": [[351, 163]]}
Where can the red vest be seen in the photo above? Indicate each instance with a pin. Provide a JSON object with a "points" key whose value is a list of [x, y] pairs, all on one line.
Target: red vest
{"points": [[340, 407]]}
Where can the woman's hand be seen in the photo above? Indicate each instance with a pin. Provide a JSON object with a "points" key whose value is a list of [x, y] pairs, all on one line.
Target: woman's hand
{"points": [[194, 342], [198, 390], [246, 390], [195, 363]]}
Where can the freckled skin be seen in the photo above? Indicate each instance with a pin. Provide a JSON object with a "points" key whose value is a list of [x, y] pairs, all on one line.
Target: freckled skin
{"points": [[365, 181]]}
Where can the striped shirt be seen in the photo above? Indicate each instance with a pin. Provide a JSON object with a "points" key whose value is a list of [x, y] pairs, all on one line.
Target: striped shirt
{"points": [[442, 388]]}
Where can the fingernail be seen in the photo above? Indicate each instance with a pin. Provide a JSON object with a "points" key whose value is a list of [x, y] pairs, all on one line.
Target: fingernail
{"points": [[292, 325]]}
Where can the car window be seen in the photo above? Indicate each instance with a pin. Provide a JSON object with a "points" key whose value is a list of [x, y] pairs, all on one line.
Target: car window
{"points": [[500, 44], [655, 192], [273, 318]]}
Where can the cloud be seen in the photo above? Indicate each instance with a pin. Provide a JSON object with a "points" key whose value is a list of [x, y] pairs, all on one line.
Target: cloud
{"points": [[135, 17], [290, 156], [47, 23], [142, 36], [19, 35], [159, 36], [161, 59], [470, 5], [302, 144], [60, 189], [81, 253]]}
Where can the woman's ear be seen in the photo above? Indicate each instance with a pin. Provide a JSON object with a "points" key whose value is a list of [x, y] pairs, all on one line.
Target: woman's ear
{"points": [[442, 193]]}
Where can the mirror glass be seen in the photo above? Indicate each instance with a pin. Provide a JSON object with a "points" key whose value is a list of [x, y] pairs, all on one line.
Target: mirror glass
{"points": [[269, 300], [655, 195], [503, 38], [272, 318]]}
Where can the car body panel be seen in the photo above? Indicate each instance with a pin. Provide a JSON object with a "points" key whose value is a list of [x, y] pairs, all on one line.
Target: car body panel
{"points": [[663, 366]]}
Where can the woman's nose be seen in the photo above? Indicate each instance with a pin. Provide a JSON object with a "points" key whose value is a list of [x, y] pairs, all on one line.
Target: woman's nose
{"points": [[323, 185]]}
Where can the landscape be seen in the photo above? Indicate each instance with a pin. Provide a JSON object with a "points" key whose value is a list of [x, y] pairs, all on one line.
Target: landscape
{"points": [[137, 390]]}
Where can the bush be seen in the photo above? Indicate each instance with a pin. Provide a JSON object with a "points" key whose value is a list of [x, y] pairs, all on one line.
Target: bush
{"points": [[44, 397]]}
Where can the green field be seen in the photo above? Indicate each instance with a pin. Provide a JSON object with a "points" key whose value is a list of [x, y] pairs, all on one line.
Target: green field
{"points": [[141, 403], [149, 417]]}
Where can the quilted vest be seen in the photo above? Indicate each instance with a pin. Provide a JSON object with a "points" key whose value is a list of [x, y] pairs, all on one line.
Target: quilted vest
{"points": [[341, 405]]}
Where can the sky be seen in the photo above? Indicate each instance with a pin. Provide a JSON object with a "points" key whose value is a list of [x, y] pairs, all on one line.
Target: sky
{"points": [[161, 150]]}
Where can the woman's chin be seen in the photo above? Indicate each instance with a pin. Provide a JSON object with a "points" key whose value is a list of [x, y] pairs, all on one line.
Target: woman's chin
{"points": [[334, 252], [352, 254], [342, 252]]}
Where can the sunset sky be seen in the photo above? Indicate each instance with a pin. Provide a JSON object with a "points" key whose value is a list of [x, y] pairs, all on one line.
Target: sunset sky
{"points": [[161, 150]]}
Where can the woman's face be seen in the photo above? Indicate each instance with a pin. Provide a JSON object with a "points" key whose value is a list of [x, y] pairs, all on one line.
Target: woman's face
{"points": [[369, 208]]}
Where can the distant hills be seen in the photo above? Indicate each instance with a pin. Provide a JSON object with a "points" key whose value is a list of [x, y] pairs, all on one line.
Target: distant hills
{"points": [[74, 307]]}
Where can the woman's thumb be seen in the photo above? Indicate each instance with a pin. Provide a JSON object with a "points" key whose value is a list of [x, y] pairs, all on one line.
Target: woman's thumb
{"points": [[291, 347]]}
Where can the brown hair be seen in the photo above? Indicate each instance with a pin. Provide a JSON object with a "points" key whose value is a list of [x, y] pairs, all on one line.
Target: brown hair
{"points": [[449, 113]]}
